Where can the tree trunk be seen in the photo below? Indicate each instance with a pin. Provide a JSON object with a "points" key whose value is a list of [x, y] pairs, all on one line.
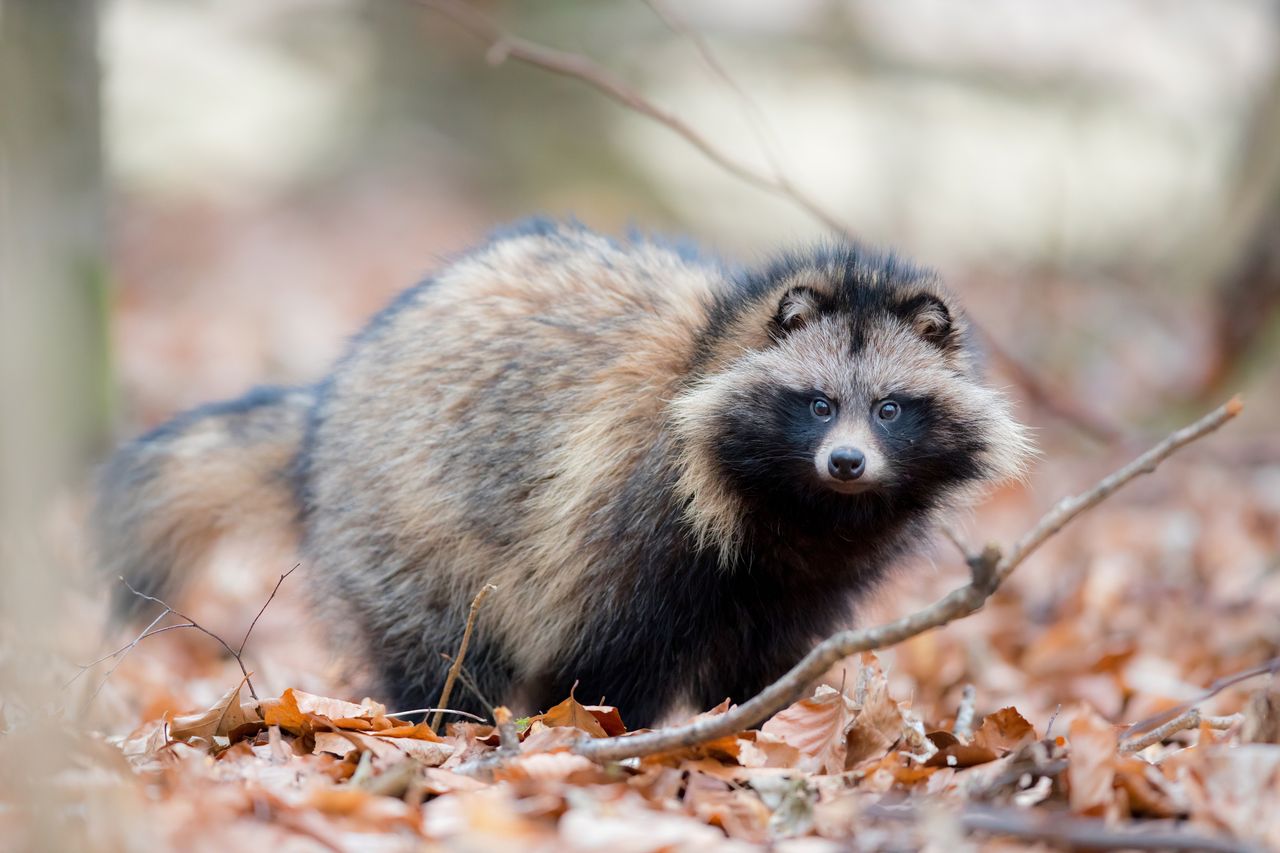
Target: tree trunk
{"points": [[53, 366]]}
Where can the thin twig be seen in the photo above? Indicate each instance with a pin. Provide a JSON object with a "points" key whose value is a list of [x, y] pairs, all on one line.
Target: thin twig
{"points": [[462, 653], [1270, 667], [1053, 718], [194, 624], [953, 536], [146, 632], [120, 655], [504, 46], [955, 605], [1069, 508], [1189, 720], [468, 682], [963, 728], [765, 137], [466, 714], [579, 67], [263, 609]]}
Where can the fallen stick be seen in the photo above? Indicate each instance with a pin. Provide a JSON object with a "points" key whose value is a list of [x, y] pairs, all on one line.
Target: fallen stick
{"points": [[462, 653], [988, 571], [1188, 720]]}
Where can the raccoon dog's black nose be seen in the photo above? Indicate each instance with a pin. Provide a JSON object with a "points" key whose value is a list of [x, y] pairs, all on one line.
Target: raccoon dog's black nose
{"points": [[846, 463]]}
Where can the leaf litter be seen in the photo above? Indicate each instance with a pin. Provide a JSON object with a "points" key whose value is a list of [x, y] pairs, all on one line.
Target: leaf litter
{"points": [[1130, 615]]}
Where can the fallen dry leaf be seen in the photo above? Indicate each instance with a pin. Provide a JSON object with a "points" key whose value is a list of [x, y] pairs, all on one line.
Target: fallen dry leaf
{"points": [[223, 717], [1091, 772], [570, 713], [817, 728]]}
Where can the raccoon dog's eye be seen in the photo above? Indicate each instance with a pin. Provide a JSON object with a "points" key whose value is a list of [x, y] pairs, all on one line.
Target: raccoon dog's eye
{"points": [[888, 410], [821, 408]]}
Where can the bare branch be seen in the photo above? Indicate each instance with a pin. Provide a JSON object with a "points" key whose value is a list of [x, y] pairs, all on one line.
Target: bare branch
{"points": [[1270, 667], [194, 624], [955, 605], [1069, 508], [1188, 720], [468, 682], [238, 653], [146, 632], [504, 46], [462, 652], [765, 137], [469, 716], [121, 653], [263, 609]]}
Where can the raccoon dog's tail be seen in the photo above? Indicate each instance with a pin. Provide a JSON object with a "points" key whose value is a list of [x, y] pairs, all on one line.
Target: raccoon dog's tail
{"points": [[166, 498]]}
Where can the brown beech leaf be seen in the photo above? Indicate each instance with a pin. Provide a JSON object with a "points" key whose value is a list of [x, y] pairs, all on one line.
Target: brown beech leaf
{"points": [[1092, 768], [285, 713], [608, 718], [340, 743], [551, 767], [758, 749], [1150, 793], [421, 731], [1004, 731], [542, 739], [879, 721], [952, 752], [817, 727], [1237, 790], [221, 719], [334, 709], [572, 714]]}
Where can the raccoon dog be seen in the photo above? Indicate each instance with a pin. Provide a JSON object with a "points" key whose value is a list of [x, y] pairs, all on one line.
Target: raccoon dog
{"points": [[678, 475]]}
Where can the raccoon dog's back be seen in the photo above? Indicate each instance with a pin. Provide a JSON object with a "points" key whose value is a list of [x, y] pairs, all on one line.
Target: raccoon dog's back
{"points": [[677, 476]]}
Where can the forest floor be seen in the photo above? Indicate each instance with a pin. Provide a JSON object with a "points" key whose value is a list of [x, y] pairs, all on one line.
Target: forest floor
{"points": [[1006, 727], [1013, 726]]}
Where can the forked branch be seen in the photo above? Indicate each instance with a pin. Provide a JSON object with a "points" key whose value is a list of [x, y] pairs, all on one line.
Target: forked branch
{"points": [[989, 571], [504, 46]]}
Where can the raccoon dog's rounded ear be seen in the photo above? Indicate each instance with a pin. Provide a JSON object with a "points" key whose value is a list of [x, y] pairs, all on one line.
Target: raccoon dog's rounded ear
{"points": [[930, 318], [797, 307]]}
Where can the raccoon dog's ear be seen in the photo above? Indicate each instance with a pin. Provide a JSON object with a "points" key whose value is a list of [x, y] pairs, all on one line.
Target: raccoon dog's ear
{"points": [[930, 318], [797, 308]]}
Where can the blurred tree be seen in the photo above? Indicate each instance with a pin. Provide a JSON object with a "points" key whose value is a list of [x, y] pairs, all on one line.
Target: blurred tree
{"points": [[53, 366], [1246, 296], [51, 224]]}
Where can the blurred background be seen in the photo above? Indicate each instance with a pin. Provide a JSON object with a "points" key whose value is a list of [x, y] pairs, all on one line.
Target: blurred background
{"points": [[200, 195]]}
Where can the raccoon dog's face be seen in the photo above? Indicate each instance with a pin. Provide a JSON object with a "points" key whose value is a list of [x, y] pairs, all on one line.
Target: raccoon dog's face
{"points": [[842, 384]]}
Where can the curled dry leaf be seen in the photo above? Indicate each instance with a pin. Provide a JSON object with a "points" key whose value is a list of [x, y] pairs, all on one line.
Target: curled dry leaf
{"points": [[225, 716], [880, 722], [1000, 733], [572, 714], [302, 713], [1004, 731]]}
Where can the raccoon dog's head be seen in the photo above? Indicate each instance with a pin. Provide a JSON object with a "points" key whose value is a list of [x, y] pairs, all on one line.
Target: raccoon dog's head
{"points": [[838, 385]]}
